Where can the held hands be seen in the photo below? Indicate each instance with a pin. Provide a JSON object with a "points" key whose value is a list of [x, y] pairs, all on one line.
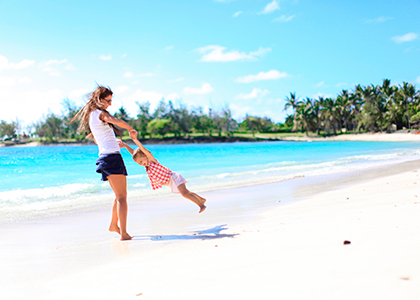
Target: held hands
{"points": [[121, 144], [133, 134]]}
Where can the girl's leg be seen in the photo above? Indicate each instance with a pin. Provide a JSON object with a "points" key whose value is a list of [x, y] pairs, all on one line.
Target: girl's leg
{"points": [[120, 208], [203, 200], [192, 196]]}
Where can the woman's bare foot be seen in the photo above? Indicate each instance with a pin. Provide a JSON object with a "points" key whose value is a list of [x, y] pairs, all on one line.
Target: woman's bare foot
{"points": [[202, 208], [114, 228], [126, 237]]}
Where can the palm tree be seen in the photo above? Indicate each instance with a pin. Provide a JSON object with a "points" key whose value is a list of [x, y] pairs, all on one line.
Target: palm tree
{"points": [[345, 103], [367, 114], [388, 93], [408, 94], [293, 102], [306, 116], [329, 114], [382, 115]]}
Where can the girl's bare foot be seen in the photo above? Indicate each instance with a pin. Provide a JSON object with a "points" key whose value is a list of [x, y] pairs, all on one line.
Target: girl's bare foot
{"points": [[126, 237], [114, 228], [202, 208]]}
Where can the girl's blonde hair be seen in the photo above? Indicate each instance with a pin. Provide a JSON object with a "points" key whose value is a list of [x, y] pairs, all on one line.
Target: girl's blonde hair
{"points": [[138, 154], [94, 102]]}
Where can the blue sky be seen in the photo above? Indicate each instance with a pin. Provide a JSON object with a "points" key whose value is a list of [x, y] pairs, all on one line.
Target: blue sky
{"points": [[242, 54]]}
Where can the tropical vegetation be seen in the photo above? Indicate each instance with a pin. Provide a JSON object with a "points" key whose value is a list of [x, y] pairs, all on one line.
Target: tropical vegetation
{"points": [[370, 108], [373, 108]]}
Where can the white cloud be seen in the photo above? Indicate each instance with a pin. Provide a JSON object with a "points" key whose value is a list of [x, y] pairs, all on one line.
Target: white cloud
{"points": [[204, 89], [270, 75], [379, 20], [319, 84], [238, 111], [141, 96], [12, 80], [24, 80], [284, 18], [172, 96], [169, 48], [21, 65], [408, 37], [215, 53], [124, 55], [5, 64], [237, 14], [105, 57], [78, 94], [50, 66], [255, 93], [418, 79], [51, 71], [128, 74], [270, 7], [121, 89], [29, 105]]}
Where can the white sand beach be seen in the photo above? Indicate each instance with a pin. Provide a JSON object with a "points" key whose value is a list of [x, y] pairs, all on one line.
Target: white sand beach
{"points": [[251, 243]]}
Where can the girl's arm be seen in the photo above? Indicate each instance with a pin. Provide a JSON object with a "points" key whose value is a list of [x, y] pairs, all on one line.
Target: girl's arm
{"points": [[124, 145], [106, 117], [149, 155]]}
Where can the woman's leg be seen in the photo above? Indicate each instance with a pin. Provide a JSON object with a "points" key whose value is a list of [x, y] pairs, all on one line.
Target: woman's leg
{"points": [[114, 218], [119, 208], [192, 196]]}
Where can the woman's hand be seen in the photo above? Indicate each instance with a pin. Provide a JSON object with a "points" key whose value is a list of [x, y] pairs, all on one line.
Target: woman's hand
{"points": [[133, 134]]}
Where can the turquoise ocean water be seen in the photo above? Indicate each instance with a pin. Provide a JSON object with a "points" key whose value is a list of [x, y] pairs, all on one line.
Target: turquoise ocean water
{"points": [[51, 180]]}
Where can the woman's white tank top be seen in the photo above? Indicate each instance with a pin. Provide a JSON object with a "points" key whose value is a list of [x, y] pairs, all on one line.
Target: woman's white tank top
{"points": [[103, 133]]}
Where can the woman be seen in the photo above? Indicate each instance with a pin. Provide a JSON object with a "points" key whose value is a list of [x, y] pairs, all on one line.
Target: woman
{"points": [[95, 118]]}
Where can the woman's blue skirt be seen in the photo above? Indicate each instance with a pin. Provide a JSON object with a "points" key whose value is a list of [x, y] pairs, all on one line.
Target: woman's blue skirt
{"points": [[110, 164]]}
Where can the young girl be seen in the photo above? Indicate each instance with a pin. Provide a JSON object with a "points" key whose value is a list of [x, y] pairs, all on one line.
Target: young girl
{"points": [[95, 118], [160, 175]]}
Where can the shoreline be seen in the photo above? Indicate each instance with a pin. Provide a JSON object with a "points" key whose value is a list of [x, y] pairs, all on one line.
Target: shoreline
{"points": [[371, 137], [365, 137], [253, 242], [149, 141]]}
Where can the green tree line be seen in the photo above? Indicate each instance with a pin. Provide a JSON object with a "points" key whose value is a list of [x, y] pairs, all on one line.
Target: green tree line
{"points": [[165, 120], [373, 108]]}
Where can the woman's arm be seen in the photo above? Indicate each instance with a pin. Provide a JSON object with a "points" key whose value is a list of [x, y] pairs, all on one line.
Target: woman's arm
{"points": [[106, 117], [91, 135]]}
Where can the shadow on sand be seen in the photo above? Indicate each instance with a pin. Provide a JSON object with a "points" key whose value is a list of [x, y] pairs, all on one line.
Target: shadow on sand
{"points": [[209, 234]]}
